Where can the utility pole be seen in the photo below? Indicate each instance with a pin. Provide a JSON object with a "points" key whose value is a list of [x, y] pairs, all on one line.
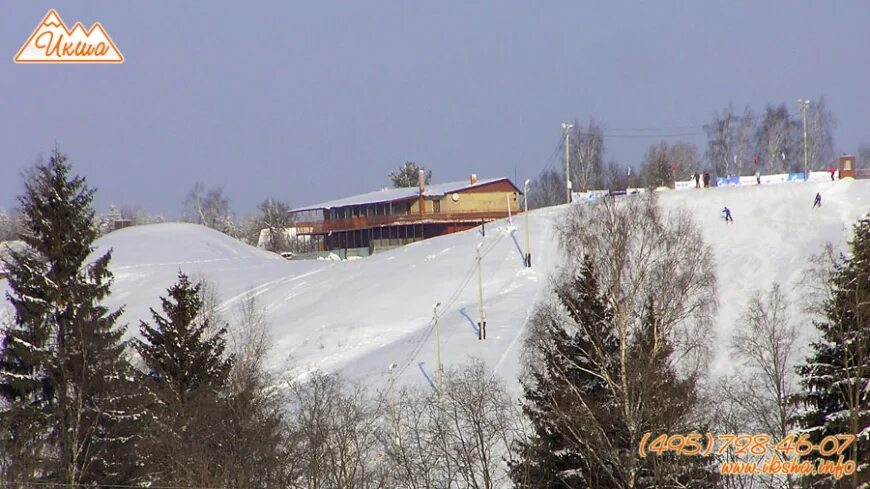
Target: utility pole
{"points": [[440, 370], [528, 258], [507, 199], [481, 324], [803, 105], [392, 396], [567, 128]]}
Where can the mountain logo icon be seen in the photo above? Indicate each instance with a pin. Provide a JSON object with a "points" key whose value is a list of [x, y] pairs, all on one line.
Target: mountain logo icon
{"points": [[52, 42]]}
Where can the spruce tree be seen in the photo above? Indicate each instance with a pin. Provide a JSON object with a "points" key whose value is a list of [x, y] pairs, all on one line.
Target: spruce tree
{"points": [[835, 379], [568, 358], [664, 401], [187, 371], [580, 402], [69, 413]]}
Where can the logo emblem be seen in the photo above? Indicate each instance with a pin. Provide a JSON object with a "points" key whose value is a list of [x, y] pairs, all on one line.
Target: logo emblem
{"points": [[52, 42]]}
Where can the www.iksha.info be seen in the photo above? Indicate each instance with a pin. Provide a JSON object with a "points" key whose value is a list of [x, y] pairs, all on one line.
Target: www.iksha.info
{"points": [[759, 454]]}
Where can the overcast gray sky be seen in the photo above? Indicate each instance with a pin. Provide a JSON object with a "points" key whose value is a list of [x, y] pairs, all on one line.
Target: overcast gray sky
{"points": [[310, 101]]}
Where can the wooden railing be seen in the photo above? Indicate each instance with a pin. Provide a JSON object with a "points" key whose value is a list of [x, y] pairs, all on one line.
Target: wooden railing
{"points": [[366, 222]]}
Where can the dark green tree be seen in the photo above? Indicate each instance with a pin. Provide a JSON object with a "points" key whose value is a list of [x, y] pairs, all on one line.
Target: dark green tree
{"points": [[565, 388], [835, 379], [187, 371], [70, 407], [577, 398], [407, 175], [666, 401]]}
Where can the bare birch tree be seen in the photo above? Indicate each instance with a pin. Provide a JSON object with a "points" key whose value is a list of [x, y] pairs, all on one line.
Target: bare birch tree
{"points": [[729, 141], [207, 206], [765, 347], [820, 135], [863, 159], [547, 189], [332, 435], [458, 439], [654, 271], [777, 140], [275, 218], [587, 156]]}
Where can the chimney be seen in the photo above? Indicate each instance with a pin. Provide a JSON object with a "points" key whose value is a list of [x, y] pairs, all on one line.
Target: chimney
{"points": [[473, 179], [421, 180]]}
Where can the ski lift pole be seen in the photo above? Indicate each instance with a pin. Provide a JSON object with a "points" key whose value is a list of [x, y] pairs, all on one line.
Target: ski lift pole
{"points": [[527, 259], [481, 325], [440, 369]]}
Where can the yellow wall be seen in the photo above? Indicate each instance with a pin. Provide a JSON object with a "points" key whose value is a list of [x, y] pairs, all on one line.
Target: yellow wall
{"points": [[473, 202]]}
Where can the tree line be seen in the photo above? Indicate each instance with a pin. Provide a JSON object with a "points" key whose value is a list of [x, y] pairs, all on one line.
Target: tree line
{"points": [[618, 348], [738, 143]]}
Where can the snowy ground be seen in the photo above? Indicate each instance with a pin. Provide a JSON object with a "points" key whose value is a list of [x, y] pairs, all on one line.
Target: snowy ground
{"points": [[360, 316]]}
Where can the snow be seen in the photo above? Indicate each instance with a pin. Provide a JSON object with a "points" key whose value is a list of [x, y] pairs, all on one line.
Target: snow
{"points": [[358, 317]]}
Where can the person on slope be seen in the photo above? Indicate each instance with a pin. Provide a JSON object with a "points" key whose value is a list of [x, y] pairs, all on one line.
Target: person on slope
{"points": [[832, 170], [758, 177], [697, 177], [727, 213], [818, 201]]}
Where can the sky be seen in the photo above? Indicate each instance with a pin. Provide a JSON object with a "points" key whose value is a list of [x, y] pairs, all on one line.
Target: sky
{"points": [[313, 101]]}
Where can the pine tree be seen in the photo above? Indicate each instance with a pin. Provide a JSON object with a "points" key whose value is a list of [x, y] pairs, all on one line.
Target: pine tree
{"points": [[569, 359], [63, 372], [836, 377], [186, 374]]}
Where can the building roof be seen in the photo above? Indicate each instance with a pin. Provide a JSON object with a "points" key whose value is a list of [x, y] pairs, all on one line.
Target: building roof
{"points": [[401, 194]]}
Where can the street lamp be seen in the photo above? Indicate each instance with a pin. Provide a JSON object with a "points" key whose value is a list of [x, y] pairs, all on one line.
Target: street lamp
{"points": [[567, 127], [803, 105]]}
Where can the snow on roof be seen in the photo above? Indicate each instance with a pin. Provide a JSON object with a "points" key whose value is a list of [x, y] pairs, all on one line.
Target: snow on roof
{"points": [[399, 194]]}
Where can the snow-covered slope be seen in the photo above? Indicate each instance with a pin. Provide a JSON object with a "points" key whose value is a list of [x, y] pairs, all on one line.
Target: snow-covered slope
{"points": [[360, 316]]}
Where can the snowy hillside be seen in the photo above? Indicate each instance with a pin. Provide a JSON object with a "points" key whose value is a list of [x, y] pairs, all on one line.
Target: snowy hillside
{"points": [[360, 316]]}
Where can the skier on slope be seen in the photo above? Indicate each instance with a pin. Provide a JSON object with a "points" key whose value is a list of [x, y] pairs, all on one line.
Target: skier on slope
{"points": [[818, 201], [727, 213]]}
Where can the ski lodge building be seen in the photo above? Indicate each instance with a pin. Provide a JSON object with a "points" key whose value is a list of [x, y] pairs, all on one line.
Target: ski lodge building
{"points": [[368, 223]]}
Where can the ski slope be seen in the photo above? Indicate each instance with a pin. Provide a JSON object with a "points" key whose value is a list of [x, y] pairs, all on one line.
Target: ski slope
{"points": [[358, 317]]}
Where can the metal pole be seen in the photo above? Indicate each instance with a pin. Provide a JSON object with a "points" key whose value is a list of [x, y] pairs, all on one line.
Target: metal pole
{"points": [[528, 257], [567, 127], [481, 325], [392, 396], [440, 371], [803, 105], [507, 199]]}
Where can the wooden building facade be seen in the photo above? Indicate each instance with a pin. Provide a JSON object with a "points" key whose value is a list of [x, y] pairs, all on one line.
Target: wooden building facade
{"points": [[372, 222]]}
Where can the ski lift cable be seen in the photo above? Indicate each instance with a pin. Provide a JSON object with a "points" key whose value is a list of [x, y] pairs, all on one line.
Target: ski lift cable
{"points": [[427, 332]]}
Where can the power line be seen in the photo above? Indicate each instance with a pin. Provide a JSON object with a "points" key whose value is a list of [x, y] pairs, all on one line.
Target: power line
{"points": [[640, 136], [656, 129], [420, 343]]}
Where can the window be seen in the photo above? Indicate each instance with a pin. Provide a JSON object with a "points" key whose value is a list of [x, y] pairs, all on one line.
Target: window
{"points": [[436, 205]]}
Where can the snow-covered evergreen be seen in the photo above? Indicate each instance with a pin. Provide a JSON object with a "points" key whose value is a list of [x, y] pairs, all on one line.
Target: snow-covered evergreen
{"points": [[836, 377], [70, 407]]}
